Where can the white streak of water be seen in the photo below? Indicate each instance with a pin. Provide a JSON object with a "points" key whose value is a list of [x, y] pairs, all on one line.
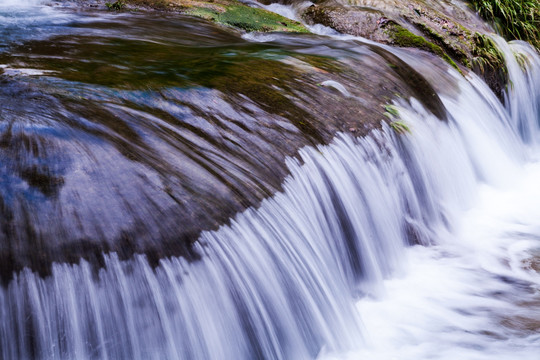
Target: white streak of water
{"points": [[474, 294]]}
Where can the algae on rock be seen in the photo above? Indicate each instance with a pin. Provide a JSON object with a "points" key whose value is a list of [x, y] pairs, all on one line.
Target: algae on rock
{"points": [[247, 18], [228, 12]]}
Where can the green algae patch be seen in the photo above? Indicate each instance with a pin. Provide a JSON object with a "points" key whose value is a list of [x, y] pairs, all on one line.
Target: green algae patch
{"points": [[247, 18], [226, 12]]}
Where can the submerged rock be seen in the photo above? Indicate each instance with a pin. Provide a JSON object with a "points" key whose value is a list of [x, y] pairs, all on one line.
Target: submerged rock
{"points": [[136, 139]]}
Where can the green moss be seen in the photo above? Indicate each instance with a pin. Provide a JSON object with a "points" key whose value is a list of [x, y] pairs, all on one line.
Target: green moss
{"points": [[237, 70], [227, 12], [248, 19], [117, 6], [430, 32], [403, 37], [486, 55], [268, 84], [205, 13], [450, 44]]}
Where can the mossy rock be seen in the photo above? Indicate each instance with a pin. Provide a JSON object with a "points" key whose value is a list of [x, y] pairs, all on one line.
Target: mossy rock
{"points": [[247, 18], [488, 61], [446, 30], [227, 12], [404, 38]]}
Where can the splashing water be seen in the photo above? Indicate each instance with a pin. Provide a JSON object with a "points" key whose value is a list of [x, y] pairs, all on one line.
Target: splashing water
{"points": [[475, 293]]}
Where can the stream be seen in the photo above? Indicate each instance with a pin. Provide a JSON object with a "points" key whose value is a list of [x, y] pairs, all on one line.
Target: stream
{"points": [[171, 189]]}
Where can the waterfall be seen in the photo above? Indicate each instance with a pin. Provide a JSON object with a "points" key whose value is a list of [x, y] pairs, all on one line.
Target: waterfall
{"points": [[522, 98], [296, 278]]}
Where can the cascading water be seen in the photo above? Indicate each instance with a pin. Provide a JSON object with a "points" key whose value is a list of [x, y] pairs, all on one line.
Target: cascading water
{"points": [[408, 246]]}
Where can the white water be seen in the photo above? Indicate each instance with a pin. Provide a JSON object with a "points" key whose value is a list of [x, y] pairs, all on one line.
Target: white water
{"points": [[475, 293], [324, 268], [22, 20]]}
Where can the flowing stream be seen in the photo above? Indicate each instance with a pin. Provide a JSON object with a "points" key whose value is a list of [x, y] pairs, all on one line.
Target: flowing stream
{"points": [[122, 135]]}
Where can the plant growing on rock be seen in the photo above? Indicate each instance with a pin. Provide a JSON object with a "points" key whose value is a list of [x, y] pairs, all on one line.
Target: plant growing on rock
{"points": [[514, 19], [397, 125], [522, 60], [488, 61], [391, 111], [400, 127], [117, 5], [486, 54]]}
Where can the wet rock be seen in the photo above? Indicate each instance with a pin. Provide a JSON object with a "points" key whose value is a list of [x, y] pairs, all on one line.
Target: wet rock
{"points": [[362, 22], [137, 139], [444, 29]]}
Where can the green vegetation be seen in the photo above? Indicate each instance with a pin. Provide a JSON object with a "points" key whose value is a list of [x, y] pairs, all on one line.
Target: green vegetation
{"points": [[400, 127], [226, 12], [247, 18], [391, 112], [514, 19], [118, 5], [522, 60], [486, 55], [488, 61]]}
